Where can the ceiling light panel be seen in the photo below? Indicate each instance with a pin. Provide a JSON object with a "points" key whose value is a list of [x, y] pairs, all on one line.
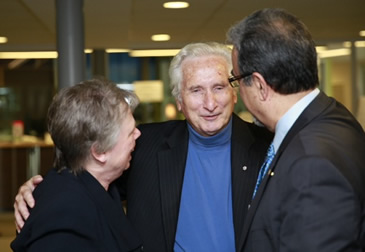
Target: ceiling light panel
{"points": [[176, 5], [160, 37], [3, 40]]}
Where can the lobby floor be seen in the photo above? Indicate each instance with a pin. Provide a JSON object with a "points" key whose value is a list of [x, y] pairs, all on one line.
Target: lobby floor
{"points": [[7, 230]]}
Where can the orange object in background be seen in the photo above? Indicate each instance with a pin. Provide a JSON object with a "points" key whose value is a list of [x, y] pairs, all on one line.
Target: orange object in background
{"points": [[18, 130]]}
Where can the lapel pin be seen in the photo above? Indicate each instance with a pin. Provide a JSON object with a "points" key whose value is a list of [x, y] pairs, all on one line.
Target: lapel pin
{"points": [[244, 168]]}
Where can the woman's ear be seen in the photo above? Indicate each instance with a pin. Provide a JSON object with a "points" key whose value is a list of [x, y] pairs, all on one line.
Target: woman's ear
{"points": [[101, 157]]}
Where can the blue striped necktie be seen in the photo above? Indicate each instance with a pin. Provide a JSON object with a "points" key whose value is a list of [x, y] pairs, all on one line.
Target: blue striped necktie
{"points": [[265, 166]]}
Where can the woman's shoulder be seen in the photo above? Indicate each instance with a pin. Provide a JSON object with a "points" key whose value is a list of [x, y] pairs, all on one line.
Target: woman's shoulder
{"points": [[61, 190]]}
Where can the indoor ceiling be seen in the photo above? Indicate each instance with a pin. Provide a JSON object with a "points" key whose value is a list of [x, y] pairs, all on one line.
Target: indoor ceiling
{"points": [[30, 24]]}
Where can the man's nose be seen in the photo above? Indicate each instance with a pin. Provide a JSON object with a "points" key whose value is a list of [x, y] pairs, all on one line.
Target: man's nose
{"points": [[210, 102]]}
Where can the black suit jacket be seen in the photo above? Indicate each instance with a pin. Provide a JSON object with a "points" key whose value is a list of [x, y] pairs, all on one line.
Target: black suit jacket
{"points": [[76, 214], [155, 177], [313, 197]]}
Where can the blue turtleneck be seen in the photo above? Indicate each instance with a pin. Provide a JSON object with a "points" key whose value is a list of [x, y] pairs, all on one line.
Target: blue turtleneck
{"points": [[205, 218]]}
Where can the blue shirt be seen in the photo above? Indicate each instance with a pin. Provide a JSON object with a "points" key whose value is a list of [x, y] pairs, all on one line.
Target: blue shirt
{"points": [[205, 219]]}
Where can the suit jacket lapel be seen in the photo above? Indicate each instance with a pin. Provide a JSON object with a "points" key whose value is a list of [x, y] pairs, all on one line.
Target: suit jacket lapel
{"points": [[242, 172], [314, 109], [171, 162]]}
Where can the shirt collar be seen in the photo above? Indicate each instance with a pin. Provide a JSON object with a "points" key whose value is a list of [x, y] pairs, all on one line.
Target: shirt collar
{"points": [[289, 118]]}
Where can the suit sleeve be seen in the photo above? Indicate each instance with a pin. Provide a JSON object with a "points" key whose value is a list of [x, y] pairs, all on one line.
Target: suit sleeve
{"points": [[323, 212]]}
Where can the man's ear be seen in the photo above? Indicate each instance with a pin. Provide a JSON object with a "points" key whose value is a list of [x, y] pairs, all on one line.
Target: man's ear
{"points": [[178, 105], [261, 85], [101, 157]]}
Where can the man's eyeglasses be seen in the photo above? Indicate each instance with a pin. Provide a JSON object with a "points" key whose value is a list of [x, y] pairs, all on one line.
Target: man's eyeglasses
{"points": [[234, 80]]}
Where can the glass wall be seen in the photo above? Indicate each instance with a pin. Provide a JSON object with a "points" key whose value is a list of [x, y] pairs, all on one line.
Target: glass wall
{"points": [[342, 73]]}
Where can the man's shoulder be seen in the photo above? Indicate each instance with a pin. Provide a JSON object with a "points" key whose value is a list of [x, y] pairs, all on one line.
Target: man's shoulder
{"points": [[161, 124], [256, 131], [161, 128], [156, 135]]}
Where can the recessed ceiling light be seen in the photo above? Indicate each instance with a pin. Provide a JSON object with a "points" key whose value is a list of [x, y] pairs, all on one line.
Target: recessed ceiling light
{"points": [[360, 43], [321, 48], [347, 44], [154, 53], [334, 53], [29, 55], [160, 37], [362, 33], [176, 5], [3, 40], [116, 50]]}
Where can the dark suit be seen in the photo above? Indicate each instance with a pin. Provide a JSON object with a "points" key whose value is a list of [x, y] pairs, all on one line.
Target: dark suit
{"points": [[76, 214], [157, 171], [313, 197]]}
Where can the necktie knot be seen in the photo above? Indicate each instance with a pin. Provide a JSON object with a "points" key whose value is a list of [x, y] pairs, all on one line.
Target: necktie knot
{"points": [[265, 166]]}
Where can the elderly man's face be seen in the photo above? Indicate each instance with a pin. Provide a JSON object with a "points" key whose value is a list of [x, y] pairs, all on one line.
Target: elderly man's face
{"points": [[207, 99]]}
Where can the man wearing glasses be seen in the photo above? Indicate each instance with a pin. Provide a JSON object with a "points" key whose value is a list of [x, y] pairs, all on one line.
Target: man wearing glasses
{"points": [[312, 195]]}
